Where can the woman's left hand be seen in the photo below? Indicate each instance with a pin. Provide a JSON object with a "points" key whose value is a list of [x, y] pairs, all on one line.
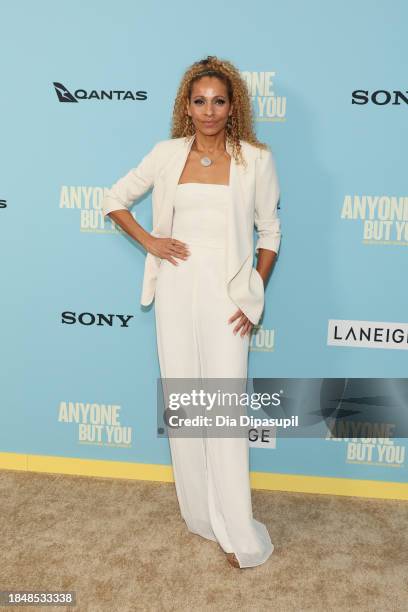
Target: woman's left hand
{"points": [[243, 323]]}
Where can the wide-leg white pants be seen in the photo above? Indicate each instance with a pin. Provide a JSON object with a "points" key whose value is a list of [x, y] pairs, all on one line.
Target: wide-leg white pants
{"points": [[194, 340]]}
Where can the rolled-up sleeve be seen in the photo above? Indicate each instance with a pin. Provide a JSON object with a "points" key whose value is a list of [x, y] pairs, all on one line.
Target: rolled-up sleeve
{"points": [[267, 194], [131, 186]]}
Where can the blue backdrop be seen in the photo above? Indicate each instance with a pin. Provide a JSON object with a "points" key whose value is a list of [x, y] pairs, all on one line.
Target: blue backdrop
{"points": [[342, 171]]}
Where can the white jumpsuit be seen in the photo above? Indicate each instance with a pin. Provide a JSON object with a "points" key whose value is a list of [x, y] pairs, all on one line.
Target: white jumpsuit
{"points": [[194, 340]]}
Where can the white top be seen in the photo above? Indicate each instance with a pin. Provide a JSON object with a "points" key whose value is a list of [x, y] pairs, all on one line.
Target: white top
{"points": [[200, 214]]}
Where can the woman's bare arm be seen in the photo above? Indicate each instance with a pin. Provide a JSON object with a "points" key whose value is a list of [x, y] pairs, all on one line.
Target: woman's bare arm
{"points": [[266, 260]]}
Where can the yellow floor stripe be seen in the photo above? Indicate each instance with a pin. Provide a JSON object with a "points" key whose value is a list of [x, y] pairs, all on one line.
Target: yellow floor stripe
{"points": [[164, 473]]}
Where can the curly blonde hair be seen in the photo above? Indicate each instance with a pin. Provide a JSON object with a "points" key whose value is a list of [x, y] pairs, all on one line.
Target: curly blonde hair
{"points": [[240, 124]]}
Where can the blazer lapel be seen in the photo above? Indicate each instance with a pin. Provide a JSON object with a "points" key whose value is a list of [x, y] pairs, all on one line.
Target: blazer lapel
{"points": [[238, 243], [171, 175]]}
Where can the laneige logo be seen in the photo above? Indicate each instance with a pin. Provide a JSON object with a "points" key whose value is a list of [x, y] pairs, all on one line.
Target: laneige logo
{"points": [[368, 334]]}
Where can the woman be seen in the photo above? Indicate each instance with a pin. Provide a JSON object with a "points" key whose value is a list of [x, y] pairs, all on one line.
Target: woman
{"points": [[212, 181]]}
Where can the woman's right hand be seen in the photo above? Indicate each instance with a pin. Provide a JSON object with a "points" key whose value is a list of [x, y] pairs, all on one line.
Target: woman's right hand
{"points": [[167, 248]]}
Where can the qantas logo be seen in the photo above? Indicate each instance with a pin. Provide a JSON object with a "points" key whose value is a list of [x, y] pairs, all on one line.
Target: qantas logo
{"points": [[64, 95]]}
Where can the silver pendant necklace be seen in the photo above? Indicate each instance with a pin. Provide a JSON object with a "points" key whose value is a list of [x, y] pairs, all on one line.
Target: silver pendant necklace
{"points": [[207, 161]]}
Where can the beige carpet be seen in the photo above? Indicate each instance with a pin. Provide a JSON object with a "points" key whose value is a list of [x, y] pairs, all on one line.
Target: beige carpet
{"points": [[122, 546]]}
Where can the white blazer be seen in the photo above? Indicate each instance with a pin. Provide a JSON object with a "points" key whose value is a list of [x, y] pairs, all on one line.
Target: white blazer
{"points": [[254, 198]]}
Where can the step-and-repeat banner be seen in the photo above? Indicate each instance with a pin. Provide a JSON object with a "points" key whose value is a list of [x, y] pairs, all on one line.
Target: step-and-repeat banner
{"points": [[87, 89]]}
